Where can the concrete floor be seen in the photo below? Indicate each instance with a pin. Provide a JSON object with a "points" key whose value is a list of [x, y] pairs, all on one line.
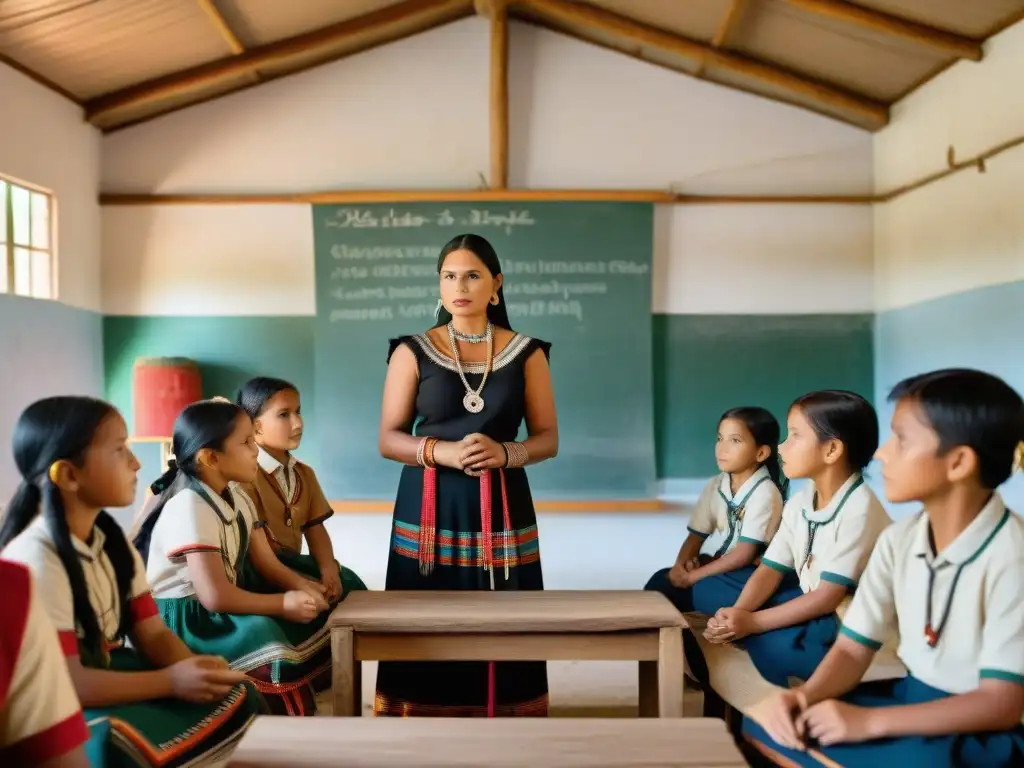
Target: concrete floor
{"points": [[577, 688]]}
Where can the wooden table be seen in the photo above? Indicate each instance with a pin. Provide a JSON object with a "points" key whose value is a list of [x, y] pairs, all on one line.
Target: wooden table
{"points": [[304, 742], [511, 626]]}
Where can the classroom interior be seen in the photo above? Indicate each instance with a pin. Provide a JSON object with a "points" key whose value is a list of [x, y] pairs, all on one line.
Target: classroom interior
{"points": [[800, 240]]}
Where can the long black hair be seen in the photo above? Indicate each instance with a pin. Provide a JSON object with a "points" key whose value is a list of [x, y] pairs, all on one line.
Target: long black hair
{"points": [[971, 408], [254, 395], [764, 428], [205, 424], [483, 250], [837, 414], [61, 429]]}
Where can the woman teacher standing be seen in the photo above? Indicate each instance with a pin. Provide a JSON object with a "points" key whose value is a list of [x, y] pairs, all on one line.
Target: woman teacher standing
{"points": [[454, 400]]}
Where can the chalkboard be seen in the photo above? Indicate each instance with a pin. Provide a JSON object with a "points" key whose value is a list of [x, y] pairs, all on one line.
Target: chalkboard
{"points": [[576, 274]]}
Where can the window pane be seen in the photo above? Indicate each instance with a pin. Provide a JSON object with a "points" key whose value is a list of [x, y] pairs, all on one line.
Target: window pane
{"points": [[5, 285], [20, 205], [3, 214], [40, 220], [41, 285], [22, 272]]}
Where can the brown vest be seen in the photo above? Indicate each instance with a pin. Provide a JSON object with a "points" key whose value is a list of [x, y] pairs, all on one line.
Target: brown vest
{"points": [[286, 522]]}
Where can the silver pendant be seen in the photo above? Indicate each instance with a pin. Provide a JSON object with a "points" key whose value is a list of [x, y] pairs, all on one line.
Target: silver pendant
{"points": [[472, 402]]}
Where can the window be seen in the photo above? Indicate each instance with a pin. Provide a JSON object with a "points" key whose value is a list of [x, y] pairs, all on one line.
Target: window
{"points": [[26, 240]]}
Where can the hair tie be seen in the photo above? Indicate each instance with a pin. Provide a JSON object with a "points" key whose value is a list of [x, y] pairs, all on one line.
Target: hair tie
{"points": [[1018, 457]]}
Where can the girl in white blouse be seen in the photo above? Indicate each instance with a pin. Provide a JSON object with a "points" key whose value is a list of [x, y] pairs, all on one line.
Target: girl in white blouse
{"points": [[217, 582], [153, 703]]}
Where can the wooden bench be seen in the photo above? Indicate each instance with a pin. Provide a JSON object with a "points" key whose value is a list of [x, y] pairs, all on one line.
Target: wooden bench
{"points": [[511, 626], [297, 742]]}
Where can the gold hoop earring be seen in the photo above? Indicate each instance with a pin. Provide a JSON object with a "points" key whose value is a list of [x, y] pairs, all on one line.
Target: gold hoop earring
{"points": [[494, 299]]}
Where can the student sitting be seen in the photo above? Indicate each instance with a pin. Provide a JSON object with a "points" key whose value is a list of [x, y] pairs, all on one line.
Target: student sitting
{"points": [[286, 494], [950, 578], [218, 584], [41, 721], [154, 704], [785, 614], [744, 503]]}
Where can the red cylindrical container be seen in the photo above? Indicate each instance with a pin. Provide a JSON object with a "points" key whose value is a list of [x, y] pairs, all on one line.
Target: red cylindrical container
{"points": [[162, 387]]}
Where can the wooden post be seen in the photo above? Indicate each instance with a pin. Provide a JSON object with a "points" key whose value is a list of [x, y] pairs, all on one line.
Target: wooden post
{"points": [[499, 95]]}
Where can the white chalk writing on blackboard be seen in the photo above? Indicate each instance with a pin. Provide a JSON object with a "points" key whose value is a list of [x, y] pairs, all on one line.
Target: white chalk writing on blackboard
{"points": [[356, 218]]}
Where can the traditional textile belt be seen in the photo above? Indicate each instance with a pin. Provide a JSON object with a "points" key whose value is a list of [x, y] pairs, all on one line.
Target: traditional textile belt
{"points": [[428, 522], [428, 536]]}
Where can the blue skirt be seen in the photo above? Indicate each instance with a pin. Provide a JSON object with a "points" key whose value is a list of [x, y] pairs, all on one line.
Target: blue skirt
{"points": [[981, 750], [780, 654]]}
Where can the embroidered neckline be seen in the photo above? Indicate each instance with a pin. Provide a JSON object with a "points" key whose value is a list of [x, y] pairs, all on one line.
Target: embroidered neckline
{"points": [[511, 351]]}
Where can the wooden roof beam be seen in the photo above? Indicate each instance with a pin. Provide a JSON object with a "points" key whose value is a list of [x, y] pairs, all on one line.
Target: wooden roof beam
{"points": [[401, 14], [726, 27], [830, 98], [496, 11], [223, 28], [876, 21]]}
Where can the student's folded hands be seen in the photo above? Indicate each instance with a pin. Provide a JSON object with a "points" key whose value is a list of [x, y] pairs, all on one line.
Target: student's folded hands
{"points": [[729, 624], [318, 592], [793, 724]]}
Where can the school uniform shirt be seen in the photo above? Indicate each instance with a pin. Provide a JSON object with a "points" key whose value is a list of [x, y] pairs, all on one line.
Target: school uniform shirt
{"points": [[40, 717], [288, 499], [982, 635], [35, 548], [831, 544], [750, 515], [191, 523]]}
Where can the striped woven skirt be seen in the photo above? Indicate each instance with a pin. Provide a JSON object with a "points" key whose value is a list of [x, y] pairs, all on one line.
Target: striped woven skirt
{"points": [[167, 732], [289, 663], [445, 545]]}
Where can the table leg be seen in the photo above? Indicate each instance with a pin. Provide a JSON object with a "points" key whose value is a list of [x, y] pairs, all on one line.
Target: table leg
{"points": [[344, 679], [648, 705], [670, 672]]}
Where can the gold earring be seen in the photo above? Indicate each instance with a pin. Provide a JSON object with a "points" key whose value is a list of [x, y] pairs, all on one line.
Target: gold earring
{"points": [[494, 299], [54, 472]]}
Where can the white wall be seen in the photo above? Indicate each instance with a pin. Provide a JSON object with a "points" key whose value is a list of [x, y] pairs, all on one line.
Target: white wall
{"points": [[949, 258], [47, 348], [965, 231], [44, 140], [414, 114]]}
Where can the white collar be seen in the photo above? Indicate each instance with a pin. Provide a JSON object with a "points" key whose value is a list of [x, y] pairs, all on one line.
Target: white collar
{"points": [[835, 504], [748, 484], [972, 540], [269, 464]]}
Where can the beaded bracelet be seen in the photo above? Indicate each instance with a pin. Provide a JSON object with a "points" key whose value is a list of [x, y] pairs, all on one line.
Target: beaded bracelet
{"points": [[516, 455], [428, 452]]}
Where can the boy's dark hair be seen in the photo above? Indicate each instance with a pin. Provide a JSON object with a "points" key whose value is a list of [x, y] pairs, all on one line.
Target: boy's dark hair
{"points": [[254, 395], [836, 414], [974, 409]]}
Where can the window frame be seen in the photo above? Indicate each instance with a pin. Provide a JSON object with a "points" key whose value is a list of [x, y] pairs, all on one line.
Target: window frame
{"points": [[8, 246]]}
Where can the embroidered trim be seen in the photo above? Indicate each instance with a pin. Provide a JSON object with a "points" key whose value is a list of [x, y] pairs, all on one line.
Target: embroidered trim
{"points": [[392, 706], [511, 351]]}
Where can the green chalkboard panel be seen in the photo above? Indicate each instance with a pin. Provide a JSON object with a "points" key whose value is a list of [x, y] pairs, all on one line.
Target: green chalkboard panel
{"points": [[706, 364], [576, 274]]}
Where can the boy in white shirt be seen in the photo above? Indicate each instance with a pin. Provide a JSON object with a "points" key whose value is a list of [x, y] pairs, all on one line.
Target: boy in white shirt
{"points": [[949, 578]]}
